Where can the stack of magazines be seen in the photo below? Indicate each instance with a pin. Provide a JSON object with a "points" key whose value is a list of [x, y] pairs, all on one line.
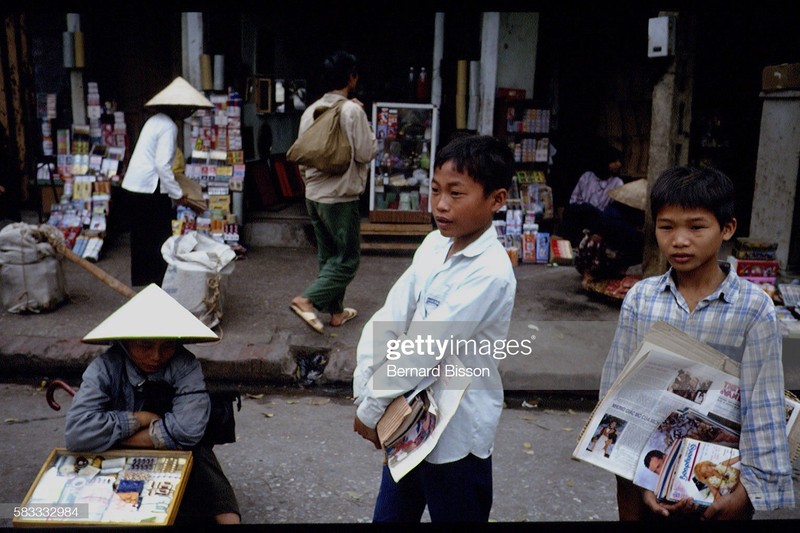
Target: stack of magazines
{"points": [[407, 423], [699, 470]]}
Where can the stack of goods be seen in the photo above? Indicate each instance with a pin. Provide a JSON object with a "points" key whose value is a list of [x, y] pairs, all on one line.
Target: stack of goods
{"points": [[46, 112], [756, 261], [217, 165], [115, 487], [519, 234], [88, 162]]}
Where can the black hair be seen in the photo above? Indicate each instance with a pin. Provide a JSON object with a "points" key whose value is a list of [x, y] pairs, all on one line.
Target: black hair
{"points": [[692, 187], [337, 69], [601, 158], [485, 159], [652, 453]]}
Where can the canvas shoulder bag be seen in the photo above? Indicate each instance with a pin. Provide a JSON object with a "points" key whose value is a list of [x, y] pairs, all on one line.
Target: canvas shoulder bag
{"points": [[323, 145]]}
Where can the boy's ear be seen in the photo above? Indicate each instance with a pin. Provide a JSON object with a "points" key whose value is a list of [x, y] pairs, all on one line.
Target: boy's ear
{"points": [[729, 229], [499, 197]]}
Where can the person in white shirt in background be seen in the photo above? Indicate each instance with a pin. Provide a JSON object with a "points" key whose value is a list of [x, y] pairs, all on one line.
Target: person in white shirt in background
{"points": [[152, 191], [461, 283]]}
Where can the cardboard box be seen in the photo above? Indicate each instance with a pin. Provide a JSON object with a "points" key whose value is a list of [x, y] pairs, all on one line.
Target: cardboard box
{"points": [[59, 497], [561, 251], [781, 77]]}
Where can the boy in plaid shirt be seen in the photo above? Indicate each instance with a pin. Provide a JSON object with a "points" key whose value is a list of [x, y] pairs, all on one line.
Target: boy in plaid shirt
{"points": [[692, 209]]}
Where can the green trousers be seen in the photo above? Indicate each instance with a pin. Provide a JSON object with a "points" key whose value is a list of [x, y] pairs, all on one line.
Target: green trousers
{"points": [[337, 228]]}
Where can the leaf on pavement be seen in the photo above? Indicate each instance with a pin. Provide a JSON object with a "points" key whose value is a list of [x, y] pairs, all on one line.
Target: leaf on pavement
{"points": [[268, 415], [254, 396], [319, 401]]}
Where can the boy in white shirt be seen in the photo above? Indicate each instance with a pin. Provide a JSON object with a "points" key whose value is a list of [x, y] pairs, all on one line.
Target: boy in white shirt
{"points": [[460, 284]]}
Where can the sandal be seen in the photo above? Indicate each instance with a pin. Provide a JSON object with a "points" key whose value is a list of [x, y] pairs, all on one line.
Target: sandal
{"points": [[309, 318], [348, 313]]}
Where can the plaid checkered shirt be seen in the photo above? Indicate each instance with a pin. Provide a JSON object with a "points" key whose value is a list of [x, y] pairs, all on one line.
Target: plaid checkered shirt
{"points": [[739, 320]]}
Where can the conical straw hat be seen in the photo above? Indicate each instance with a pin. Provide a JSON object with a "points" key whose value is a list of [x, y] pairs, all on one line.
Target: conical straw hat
{"points": [[179, 93], [633, 194], [151, 314]]}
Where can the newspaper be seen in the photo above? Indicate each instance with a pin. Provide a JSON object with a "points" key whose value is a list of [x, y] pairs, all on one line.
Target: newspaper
{"points": [[670, 371], [445, 396]]}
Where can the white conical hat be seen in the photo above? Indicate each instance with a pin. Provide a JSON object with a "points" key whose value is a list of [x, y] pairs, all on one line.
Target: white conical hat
{"points": [[180, 93], [151, 314], [633, 194]]}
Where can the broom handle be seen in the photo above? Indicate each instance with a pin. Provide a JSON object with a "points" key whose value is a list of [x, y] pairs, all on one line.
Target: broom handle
{"points": [[53, 237], [99, 273]]}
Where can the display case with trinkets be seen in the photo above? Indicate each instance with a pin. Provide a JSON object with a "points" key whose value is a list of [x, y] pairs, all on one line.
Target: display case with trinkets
{"points": [[111, 488]]}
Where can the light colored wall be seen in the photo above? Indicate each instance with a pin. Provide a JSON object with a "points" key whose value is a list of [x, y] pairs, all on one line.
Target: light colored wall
{"points": [[516, 50], [777, 170]]}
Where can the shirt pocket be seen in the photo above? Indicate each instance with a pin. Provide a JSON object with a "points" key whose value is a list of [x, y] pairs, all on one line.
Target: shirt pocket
{"points": [[434, 299]]}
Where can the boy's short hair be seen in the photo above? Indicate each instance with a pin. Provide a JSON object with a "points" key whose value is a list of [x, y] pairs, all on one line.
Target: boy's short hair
{"points": [[337, 68], [485, 159], [694, 187]]}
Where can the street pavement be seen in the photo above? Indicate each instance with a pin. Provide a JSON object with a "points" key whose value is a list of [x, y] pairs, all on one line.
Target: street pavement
{"points": [[298, 461], [263, 341]]}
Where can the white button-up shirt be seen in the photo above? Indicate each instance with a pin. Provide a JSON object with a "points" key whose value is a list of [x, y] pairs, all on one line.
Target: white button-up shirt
{"points": [[152, 158], [469, 296]]}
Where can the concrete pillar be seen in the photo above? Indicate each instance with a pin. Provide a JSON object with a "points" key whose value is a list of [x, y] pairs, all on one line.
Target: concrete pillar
{"points": [[669, 125], [777, 170], [77, 92], [191, 50], [490, 34], [436, 75]]}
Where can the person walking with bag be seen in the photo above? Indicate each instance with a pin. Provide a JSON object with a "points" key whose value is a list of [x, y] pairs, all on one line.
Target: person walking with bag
{"points": [[332, 196]]}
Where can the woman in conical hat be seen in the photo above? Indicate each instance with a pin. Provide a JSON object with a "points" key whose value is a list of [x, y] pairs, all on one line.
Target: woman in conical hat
{"points": [[148, 391], [152, 190]]}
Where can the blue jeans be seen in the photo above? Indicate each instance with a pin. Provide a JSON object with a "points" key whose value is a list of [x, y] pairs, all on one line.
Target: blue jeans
{"points": [[460, 491]]}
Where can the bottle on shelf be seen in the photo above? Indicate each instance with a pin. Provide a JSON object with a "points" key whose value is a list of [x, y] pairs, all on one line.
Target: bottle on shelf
{"points": [[422, 85], [425, 158]]}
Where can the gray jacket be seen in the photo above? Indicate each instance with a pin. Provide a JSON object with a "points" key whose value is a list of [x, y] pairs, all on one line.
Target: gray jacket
{"points": [[101, 413]]}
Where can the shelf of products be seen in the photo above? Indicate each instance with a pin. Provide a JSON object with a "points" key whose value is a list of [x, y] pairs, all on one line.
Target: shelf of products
{"points": [[75, 183], [217, 165], [402, 171], [525, 126]]}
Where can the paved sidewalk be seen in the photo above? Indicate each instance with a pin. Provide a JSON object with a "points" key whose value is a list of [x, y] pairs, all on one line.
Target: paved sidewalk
{"points": [[263, 341]]}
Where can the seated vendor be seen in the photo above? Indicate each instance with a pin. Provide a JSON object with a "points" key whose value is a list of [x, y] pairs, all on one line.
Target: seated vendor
{"points": [[590, 196], [148, 391]]}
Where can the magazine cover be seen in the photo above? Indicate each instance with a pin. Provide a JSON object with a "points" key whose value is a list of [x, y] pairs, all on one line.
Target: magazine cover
{"points": [[682, 423], [702, 471]]}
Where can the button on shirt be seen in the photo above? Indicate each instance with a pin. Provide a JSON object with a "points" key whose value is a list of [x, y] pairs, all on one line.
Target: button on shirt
{"points": [[468, 296], [739, 320], [152, 157]]}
